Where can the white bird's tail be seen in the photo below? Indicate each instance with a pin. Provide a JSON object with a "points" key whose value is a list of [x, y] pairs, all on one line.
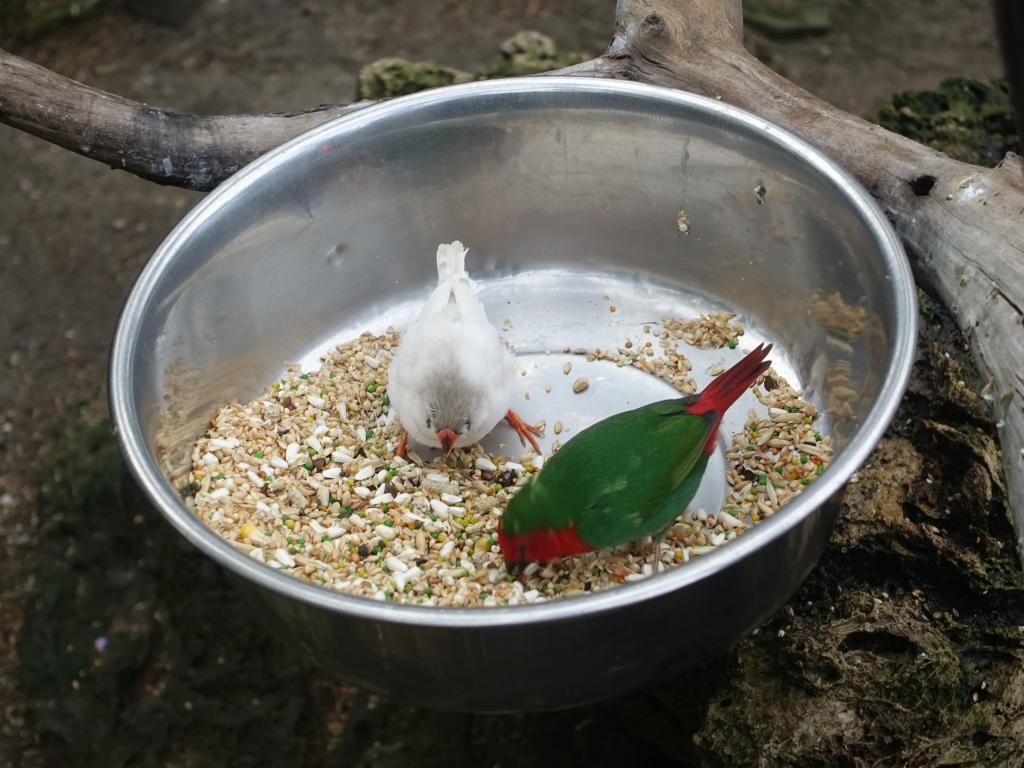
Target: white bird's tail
{"points": [[454, 292], [451, 261]]}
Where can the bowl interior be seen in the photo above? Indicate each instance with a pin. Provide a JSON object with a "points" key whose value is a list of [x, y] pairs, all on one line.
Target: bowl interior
{"points": [[568, 193]]}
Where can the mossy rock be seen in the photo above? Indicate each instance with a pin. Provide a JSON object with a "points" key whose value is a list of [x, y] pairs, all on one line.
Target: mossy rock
{"points": [[529, 53], [525, 53], [390, 77], [970, 120], [789, 18]]}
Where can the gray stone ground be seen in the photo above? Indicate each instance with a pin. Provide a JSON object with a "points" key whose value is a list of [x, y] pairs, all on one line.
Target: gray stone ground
{"points": [[72, 237]]}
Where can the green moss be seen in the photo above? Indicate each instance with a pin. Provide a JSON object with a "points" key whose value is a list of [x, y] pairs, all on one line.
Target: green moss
{"points": [[390, 77], [529, 53], [525, 53], [969, 120]]}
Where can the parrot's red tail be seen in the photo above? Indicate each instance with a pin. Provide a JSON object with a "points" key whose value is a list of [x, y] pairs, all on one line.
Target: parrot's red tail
{"points": [[721, 393]]}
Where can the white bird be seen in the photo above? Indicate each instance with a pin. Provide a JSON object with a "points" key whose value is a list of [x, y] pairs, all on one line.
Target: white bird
{"points": [[452, 378]]}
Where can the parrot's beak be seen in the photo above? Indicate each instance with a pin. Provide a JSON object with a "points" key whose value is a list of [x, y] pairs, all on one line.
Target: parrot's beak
{"points": [[447, 437]]}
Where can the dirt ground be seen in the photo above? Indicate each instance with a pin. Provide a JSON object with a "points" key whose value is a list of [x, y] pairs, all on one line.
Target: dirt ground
{"points": [[73, 235]]}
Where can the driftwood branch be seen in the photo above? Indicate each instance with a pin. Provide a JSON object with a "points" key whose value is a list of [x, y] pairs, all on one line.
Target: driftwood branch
{"points": [[963, 225], [193, 151]]}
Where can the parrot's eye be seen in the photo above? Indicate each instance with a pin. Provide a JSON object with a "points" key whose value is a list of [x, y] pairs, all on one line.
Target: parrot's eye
{"points": [[429, 422]]}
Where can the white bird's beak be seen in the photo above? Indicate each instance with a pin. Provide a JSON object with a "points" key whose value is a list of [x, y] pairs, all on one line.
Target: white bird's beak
{"points": [[447, 437]]}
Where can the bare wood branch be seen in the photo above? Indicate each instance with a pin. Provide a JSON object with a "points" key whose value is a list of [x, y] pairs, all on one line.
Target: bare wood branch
{"points": [[963, 225], [167, 147]]}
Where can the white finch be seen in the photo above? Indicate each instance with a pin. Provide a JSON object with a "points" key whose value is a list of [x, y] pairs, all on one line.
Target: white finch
{"points": [[452, 378]]}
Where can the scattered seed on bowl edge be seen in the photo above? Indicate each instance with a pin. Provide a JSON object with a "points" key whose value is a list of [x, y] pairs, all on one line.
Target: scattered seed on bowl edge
{"points": [[305, 480], [710, 331]]}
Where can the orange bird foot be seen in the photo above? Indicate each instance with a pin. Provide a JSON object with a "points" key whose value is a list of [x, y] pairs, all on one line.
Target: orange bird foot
{"points": [[403, 445], [524, 430]]}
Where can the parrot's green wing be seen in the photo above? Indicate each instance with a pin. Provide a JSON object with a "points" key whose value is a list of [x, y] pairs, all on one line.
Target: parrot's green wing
{"points": [[681, 496], [653, 485], [623, 478]]}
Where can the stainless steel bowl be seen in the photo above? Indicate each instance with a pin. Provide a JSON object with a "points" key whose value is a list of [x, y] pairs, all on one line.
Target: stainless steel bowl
{"points": [[566, 190]]}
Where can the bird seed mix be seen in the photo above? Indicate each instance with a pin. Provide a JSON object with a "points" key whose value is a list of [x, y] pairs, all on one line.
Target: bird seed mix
{"points": [[305, 480]]}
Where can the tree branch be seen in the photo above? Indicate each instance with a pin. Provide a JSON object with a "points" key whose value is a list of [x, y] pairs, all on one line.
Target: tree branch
{"points": [[193, 151], [963, 225]]}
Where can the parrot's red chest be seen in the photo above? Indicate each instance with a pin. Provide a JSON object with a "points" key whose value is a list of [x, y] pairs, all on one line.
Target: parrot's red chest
{"points": [[541, 545]]}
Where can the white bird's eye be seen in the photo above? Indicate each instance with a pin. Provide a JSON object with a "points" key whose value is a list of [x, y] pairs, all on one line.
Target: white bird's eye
{"points": [[466, 429], [428, 422]]}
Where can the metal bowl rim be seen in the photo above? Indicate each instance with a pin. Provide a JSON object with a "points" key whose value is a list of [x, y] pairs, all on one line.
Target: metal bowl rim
{"points": [[145, 470]]}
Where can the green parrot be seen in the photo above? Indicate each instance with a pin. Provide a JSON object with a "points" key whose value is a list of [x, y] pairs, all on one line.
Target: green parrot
{"points": [[625, 477]]}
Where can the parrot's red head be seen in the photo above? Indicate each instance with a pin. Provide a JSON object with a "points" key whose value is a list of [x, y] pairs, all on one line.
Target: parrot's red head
{"points": [[541, 545]]}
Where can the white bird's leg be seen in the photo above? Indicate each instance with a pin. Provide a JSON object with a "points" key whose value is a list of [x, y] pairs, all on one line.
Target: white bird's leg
{"points": [[403, 445], [524, 430]]}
